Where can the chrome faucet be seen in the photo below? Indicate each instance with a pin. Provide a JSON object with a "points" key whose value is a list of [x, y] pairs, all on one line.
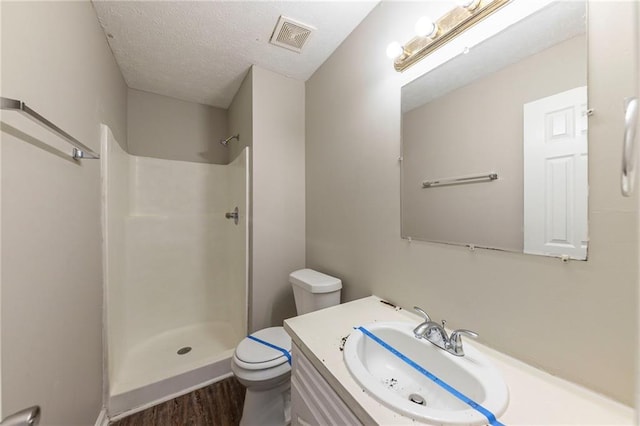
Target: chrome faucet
{"points": [[436, 334], [26, 417], [421, 329]]}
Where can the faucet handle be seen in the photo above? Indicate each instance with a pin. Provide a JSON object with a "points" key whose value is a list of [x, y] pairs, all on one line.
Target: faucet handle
{"points": [[423, 313], [455, 340]]}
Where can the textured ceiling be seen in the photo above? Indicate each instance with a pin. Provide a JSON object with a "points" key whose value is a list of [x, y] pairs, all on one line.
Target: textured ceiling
{"points": [[200, 51]]}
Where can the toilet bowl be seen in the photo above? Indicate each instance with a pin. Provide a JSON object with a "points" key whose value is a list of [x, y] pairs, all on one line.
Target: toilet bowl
{"points": [[265, 372], [262, 360]]}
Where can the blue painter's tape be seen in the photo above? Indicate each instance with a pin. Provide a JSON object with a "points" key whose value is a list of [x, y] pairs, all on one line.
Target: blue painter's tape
{"points": [[271, 345], [453, 391]]}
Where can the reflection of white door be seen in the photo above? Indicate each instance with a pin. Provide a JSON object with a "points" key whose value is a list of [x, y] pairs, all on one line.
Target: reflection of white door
{"points": [[555, 175]]}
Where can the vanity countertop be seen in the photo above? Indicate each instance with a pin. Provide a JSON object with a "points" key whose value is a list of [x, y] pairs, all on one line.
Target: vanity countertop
{"points": [[536, 397]]}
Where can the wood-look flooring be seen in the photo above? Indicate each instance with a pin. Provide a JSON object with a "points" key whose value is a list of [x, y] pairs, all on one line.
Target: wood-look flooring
{"points": [[219, 404]]}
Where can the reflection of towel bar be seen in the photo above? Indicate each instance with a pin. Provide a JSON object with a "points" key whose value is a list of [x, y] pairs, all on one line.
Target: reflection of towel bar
{"points": [[452, 181], [79, 150]]}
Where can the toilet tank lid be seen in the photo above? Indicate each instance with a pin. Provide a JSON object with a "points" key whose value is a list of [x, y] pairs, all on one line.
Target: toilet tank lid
{"points": [[314, 281]]}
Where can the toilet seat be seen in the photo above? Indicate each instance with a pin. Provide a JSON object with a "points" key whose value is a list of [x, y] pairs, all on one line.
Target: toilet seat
{"points": [[252, 355]]}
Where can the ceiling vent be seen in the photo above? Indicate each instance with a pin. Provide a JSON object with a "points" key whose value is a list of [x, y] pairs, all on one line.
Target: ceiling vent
{"points": [[290, 34]]}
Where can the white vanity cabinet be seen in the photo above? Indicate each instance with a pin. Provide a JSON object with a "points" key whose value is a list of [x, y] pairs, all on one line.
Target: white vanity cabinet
{"points": [[313, 401]]}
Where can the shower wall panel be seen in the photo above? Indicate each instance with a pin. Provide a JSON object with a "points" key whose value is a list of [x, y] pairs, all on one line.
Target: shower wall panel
{"points": [[115, 196], [176, 246], [238, 241]]}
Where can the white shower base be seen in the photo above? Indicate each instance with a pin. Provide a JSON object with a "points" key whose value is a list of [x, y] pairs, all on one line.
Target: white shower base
{"points": [[153, 372]]}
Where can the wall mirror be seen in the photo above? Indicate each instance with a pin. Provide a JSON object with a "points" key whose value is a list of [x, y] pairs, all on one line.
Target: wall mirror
{"points": [[494, 141]]}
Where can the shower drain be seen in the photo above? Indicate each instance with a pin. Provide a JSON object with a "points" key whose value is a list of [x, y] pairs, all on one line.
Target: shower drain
{"points": [[184, 350]]}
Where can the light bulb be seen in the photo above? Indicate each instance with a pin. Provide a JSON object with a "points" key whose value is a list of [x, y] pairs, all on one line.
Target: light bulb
{"points": [[468, 4], [425, 27], [394, 50]]}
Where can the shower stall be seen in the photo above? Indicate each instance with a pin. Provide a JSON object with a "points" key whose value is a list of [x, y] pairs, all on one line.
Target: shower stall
{"points": [[175, 267]]}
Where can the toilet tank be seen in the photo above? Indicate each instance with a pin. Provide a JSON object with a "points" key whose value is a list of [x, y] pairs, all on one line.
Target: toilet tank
{"points": [[314, 290]]}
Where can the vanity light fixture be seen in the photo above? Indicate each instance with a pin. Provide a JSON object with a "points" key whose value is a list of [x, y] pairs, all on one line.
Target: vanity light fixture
{"points": [[431, 35]]}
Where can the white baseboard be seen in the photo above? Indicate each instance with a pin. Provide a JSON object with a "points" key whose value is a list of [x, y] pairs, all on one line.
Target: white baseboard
{"points": [[103, 419]]}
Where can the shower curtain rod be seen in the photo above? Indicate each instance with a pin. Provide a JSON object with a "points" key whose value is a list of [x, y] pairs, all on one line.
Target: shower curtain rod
{"points": [[79, 149]]}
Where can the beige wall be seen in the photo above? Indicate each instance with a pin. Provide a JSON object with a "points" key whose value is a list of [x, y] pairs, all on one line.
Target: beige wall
{"points": [[163, 127], [575, 320], [469, 131], [637, 400], [268, 113], [278, 194], [240, 117], [54, 57]]}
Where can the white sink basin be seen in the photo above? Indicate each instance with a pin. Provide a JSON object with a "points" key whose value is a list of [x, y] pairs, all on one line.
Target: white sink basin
{"points": [[394, 381]]}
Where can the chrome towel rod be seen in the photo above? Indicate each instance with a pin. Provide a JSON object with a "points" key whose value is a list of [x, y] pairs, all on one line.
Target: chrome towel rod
{"points": [[453, 181], [79, 150]]}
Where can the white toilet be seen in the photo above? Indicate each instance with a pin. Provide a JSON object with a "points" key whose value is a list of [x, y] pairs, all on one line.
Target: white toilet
{"points": [[261, 362]]}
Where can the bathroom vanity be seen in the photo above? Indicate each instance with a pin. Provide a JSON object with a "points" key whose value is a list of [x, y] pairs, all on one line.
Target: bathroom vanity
{"points": [[324, 392]]}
